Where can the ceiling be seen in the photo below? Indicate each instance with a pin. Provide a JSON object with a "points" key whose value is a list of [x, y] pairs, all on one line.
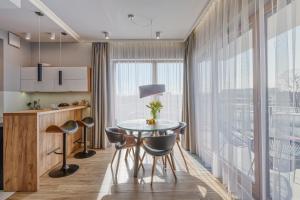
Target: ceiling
{"points": [[22, 20], [173, 18]]}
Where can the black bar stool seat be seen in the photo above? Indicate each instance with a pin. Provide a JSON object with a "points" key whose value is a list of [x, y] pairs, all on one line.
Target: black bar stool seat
{"points": [[87, 122], [70, 127]]}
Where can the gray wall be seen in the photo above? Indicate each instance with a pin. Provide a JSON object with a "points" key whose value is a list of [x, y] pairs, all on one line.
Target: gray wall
{"points": [[11, 99], [14, 58], [73, 54]]}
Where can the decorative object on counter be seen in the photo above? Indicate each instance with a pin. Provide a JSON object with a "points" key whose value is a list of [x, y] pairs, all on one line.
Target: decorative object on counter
{"points": [[63, 105], [54, 106], [35, 105], [84, 103], [155, 107], [75, 103]]}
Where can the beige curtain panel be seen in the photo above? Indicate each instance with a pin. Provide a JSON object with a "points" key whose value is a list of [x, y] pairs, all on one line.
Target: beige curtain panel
{"points": [[187, 101], [100, 94]]}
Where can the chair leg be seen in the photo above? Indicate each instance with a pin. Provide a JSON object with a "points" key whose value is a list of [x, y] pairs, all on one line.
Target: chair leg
{"points": [[114, 157], [186, 166], [127, 152], [172, 160], [142, 159], [119, 156], [171, 167], [153, 169], [133, 153], [163, 162]]}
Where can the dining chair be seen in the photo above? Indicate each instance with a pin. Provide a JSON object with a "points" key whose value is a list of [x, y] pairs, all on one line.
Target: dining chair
{"points": [[122, 140], [159, 146], [180, 131]]}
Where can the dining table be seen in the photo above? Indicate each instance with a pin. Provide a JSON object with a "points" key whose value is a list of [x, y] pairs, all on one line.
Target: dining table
{"points": [[142, 129]]}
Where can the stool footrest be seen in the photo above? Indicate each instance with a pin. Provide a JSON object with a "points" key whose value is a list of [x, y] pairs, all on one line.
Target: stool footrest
{"points": [[78, 141], [54, 151]]}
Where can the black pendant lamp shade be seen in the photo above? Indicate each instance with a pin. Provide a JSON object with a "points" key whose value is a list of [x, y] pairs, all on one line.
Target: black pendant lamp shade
{"points": [[40, 72], [59, 77]]}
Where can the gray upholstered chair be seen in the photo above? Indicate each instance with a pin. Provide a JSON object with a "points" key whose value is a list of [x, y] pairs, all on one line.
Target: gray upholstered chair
{"points": [[70, 127], [158, 146], [180, 131], [122, 141]]}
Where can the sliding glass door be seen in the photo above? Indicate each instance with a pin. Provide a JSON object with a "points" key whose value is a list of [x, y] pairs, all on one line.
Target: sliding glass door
{"points": [[283, 48]]}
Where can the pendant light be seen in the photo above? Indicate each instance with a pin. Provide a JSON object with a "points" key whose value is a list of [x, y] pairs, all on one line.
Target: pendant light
{"points": [[60, 71], [39, 66]]}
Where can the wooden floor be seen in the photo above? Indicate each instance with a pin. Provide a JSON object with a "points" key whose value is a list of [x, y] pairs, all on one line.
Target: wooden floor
{"points": [[94, 181]]}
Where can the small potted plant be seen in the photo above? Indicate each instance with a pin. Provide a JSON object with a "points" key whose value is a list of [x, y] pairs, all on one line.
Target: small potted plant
{"points": [[155, 107]]}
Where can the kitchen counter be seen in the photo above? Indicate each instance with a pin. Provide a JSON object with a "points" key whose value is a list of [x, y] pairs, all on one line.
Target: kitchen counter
{"points": [[29, 149], [46, 110]]}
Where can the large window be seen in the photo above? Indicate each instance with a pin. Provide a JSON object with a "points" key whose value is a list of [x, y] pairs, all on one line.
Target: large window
{"points": [[130, 74], [283, 48]]}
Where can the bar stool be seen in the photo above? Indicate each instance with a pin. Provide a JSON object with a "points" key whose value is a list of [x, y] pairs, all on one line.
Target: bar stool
{"points": [[87, 122], [70, 127]]}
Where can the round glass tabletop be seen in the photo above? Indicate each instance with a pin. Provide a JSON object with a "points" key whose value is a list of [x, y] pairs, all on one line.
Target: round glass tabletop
{"points": [[141, 125]]}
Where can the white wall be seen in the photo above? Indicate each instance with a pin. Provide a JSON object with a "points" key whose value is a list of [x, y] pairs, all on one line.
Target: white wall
{"points": [[73, 55], [13, 58]]}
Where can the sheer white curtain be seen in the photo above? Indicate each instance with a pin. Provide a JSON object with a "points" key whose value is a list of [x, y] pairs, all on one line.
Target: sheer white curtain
{"points": [[283, 48], [135, 63], [223, 93]]}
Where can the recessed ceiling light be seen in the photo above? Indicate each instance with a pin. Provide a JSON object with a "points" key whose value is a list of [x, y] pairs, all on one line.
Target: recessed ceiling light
{"points": [[157, 34], [52, 36], [28, 36], [38, 13], [130, 17], [106, 35]]}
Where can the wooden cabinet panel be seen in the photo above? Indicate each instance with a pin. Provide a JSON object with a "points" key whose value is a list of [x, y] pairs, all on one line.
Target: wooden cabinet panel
{"points": [[74, 79], [71, 86], [30, 73], [36, 86], [79, 73], [21, 171]]}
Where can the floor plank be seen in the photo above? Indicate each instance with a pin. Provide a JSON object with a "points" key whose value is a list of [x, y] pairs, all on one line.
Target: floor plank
{"points": [[94, 181]]}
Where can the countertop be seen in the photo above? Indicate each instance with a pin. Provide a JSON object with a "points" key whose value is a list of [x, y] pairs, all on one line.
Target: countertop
{"points": [[45, 111]]}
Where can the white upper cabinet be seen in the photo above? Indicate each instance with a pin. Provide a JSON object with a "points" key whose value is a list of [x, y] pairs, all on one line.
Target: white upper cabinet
{"points": [[74, 79]]}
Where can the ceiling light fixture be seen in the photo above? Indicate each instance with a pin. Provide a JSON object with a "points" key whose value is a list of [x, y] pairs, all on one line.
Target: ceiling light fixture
{"points": [[130, 17], [52, 36], [28, 36], [157, 35], [106, 35], [49, 13], [39, 65]]}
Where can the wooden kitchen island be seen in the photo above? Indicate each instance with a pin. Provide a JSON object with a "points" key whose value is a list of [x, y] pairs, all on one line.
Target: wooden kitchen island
{"points": [[29, 149]]}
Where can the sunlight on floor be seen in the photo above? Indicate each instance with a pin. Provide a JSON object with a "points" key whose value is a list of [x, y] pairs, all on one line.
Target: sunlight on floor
{"points": [[95, 180]]}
